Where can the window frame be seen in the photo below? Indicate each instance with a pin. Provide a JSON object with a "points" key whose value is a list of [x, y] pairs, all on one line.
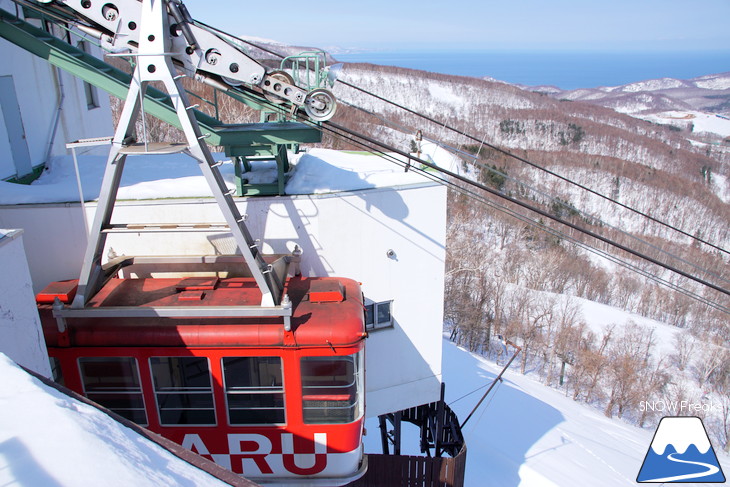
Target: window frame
{"points": [[371, 311], [183, 391], [270, 390], [138, 391], [356, 403]]}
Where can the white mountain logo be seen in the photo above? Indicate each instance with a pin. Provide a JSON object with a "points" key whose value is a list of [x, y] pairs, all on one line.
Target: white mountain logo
{"points": [[680, 452]]}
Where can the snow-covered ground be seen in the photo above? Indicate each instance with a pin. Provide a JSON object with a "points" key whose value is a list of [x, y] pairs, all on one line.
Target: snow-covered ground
{"points": [[694, 103], [528, 435], [48, 439], [702, 122], [722, 187]]}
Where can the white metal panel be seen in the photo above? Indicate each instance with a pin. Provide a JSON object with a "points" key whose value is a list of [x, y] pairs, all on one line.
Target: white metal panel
{"points": [[7, 167], [21, 337], [14, 129]]}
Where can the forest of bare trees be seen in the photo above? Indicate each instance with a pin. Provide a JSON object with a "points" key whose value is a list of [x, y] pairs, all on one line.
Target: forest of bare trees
{"points": [[523, 286]]}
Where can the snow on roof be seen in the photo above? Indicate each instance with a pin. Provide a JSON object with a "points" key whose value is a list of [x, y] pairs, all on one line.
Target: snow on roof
{"points": [[178, 176], [8, 234], [327, 171], [48, 438]]}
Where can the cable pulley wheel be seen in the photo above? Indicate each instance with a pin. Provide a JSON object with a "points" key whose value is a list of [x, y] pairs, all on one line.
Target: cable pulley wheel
{"points": [[277, 81], [232, 82], [320, 105]]}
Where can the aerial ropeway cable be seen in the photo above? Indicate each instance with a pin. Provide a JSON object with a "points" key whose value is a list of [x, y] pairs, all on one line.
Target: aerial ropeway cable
{"points": [[595, 220], [556, 201], [329, 125], [482, 142], [473, 194], [353, 136], [539, 211], [505, 152]]}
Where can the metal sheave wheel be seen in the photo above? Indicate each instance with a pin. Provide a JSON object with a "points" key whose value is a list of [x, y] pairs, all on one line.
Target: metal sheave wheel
{"points": [[271, 81], [320, 105]]}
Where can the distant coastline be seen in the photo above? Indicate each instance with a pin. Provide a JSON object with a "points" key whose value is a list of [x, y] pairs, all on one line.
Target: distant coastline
{"points": [[564, 69]]}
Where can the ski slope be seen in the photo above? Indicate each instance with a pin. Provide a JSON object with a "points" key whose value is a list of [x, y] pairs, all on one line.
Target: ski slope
{"points": [[529, 435]]}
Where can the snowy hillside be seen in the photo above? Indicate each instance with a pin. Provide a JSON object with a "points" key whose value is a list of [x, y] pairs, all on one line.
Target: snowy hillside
{"points": [[708, 93], [672, 175], [506, 115], [593, 145], [692, 104], [528, 435]]}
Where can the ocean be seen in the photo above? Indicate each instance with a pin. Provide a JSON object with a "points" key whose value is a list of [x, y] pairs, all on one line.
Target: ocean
{"points": [[565, 69]]}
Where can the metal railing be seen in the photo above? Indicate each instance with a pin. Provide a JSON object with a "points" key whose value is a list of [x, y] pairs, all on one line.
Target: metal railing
{"points": [[414, 471]]}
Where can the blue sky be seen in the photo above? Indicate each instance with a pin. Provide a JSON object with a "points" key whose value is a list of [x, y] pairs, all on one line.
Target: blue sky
{"points": [[486, 24]]}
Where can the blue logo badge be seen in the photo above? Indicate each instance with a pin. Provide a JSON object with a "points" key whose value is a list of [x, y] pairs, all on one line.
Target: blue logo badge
{"points": [[681, 452]]}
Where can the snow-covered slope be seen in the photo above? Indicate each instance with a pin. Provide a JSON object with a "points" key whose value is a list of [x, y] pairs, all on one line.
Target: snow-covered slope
{"points": [[680, 103], [529, 435], [709, 93]]}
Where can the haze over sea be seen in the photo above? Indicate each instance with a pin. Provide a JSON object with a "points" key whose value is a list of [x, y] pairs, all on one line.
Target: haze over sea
{"points": [[565, 69]]}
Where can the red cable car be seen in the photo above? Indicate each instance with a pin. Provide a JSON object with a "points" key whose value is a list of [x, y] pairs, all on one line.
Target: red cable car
{"points": [[272, 401]]}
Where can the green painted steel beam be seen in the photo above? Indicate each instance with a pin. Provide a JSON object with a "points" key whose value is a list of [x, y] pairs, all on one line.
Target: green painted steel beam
{"points": [[157, 103], [239, 138], [91, 69]]}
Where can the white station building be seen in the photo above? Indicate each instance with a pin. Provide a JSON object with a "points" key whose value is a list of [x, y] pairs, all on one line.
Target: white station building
{"points": [[389, 237]]}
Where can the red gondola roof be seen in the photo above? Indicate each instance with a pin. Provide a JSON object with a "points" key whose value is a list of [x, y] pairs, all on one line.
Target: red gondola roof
{"points": [[333, 316]]}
